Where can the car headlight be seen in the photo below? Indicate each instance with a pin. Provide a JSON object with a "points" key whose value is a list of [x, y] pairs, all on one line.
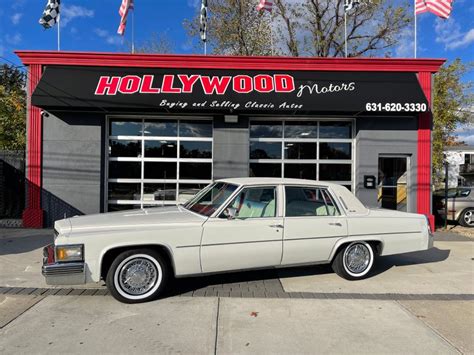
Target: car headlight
{"points": [[70, 252]]}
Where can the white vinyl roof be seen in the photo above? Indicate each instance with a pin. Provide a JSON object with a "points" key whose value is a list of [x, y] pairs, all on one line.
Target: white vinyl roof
{"points": [[274, 181]]}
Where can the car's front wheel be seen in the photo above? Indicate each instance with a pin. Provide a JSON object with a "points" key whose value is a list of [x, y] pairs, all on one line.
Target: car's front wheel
{"points": [[138, 275], [354, 261], [467, 218]]}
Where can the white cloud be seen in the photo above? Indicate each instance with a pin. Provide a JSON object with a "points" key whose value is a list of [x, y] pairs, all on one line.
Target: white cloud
{"points": [[109, 38], [405, 48], [194, 3], [467, 39], [16, 18], [101, 33], [449, 33], [469, 140], [13, 39], [465, 132], [71, 12], [18, 4]]}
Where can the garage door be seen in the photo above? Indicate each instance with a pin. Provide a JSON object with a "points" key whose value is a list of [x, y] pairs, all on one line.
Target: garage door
{"points": [[157, 161], [304, 149]]}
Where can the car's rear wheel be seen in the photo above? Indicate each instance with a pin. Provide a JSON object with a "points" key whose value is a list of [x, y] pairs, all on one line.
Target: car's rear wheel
{"points": [[354, 261], [467, 218], [138, 275]]}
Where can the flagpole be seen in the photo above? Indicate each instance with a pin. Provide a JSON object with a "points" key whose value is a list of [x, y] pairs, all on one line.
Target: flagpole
{"points": [[271, 32], [59, 32], [414, 14], [205, 47], [133, 29], [345, 32]]}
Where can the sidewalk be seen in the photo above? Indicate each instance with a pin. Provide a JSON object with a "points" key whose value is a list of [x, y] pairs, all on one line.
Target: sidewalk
{"points": [[414, 303]]}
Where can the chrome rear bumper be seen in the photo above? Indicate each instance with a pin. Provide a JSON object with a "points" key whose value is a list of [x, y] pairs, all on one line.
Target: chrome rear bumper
{"points": [[72, 273]]}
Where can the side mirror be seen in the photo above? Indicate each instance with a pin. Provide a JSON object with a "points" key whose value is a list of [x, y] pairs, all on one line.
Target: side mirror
{"points": [[230, 212]]}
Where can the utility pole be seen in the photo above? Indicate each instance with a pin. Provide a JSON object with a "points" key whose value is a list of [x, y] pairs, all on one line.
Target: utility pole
{"points": [[446, 173]]}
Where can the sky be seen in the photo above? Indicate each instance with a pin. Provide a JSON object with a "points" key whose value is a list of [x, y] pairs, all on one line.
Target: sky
{"points": [[91, 25]]}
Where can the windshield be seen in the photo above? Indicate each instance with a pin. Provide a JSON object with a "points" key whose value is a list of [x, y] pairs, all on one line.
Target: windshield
{"points": [[211, 199]]}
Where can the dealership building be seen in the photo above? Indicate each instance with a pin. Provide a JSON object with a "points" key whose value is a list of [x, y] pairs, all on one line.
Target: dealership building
{"points": [[114, 131]]}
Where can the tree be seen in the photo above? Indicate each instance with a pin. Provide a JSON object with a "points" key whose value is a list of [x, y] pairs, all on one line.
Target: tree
{"points": [[452, 105], [155, 44], [234, 28], [304, 28], [12, 108]]}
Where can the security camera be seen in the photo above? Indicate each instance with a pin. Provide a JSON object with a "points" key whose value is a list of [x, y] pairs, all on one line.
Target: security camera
{"points": [[44, 113]]}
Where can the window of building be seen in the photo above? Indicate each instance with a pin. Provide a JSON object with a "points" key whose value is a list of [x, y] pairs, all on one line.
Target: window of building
{"points": [[154, 162], [305, 149]]}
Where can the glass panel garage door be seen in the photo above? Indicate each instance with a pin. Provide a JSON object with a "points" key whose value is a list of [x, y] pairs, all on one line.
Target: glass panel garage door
{"points": [[315, 150], [154, 162]]}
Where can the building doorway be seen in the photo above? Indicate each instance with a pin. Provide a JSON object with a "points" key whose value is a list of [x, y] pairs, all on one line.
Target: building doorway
{"points": [[393, 182]]}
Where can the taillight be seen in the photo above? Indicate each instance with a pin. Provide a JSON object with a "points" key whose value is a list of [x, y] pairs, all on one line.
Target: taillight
{"points": [[428, 225]]}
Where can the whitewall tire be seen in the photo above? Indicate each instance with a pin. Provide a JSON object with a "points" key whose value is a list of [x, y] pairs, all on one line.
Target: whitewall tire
{"points": [[138, 275], [354, 261]]}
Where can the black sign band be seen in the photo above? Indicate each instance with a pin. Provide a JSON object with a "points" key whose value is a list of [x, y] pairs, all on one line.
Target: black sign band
{"points": [[173, 90]]}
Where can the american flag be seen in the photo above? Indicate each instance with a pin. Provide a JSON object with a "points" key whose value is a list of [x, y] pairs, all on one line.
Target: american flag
{"points": [[441, 8], [123, 12], [265, 5]]}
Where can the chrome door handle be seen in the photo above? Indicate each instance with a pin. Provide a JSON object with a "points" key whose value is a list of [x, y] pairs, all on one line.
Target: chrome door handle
{"points": [[336, 224], [276, 225]]}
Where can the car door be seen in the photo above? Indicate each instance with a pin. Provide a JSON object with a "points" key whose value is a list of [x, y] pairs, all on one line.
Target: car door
{"points": [[252, 239], [313, 224]]}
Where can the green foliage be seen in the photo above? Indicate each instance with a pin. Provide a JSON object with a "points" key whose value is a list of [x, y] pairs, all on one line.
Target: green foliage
{"points": [[452, 106], [12, 108]]}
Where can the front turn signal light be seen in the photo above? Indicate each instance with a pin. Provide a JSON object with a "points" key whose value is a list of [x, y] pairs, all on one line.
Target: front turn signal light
{"points": [[70, 252]]}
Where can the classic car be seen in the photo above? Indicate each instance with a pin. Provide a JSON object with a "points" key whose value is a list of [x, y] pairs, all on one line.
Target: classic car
{"points": [[460, 205], [232, 224]]}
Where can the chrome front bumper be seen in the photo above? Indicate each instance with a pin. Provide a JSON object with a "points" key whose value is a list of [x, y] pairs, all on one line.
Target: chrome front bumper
{"points": [[55, 273]]}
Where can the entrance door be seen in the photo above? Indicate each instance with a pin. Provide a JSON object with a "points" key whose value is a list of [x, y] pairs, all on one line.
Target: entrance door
{"points": [[393, 182]]}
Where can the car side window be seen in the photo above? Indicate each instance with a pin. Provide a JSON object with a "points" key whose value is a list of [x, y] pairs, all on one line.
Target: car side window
{"points": [[255, 202], [463, 192], [309, 201]]}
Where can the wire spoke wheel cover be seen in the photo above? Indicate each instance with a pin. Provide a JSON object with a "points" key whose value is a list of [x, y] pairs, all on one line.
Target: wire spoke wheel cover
{"points": [[138, 276], [358, 258]]}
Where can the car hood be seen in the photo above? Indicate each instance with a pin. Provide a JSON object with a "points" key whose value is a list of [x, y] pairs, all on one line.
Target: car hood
{"points": [[164, 217]]}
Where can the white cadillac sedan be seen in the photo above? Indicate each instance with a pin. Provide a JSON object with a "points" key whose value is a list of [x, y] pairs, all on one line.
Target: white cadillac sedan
{"points": [[232, 224]]}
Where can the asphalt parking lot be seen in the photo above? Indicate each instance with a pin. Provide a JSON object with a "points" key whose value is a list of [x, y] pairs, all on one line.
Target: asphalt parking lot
{"points": [[414, 303]]}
